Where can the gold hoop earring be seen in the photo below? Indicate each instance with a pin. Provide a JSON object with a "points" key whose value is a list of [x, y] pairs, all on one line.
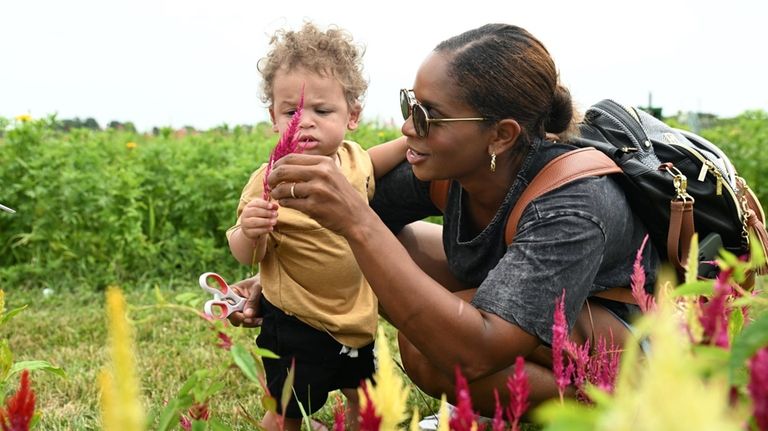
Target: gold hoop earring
{"points": [[493, 161]]}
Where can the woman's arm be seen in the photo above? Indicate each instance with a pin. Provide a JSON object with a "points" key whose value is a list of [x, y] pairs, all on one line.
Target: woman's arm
{"points": [[387, 155], [446, 329]]}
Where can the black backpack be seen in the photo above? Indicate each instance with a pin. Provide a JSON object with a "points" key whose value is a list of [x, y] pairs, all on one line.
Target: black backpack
{"points": [[677, 182]]}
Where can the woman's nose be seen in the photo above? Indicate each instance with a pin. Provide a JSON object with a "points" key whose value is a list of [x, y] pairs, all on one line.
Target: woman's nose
{"points": [[407, 128]]}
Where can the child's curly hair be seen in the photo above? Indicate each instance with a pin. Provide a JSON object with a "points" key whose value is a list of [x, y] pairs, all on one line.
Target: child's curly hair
{"points": [[332, 52]]}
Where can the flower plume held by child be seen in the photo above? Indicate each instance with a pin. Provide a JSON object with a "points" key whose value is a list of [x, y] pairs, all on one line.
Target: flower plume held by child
{"points": [[288, 143]]}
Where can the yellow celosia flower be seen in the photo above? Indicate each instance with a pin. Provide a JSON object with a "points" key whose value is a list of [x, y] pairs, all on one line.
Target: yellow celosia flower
{"points": [[664, 391], [121, 407], [131, 145], [414, 421], [444, 416], [390, 394], [24, 118]]}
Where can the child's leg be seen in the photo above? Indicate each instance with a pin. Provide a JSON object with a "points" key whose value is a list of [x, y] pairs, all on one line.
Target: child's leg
{"points": [[353, 408]]}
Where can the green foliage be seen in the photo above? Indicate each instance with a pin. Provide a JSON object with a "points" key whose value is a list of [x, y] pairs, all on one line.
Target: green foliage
{"points": [[95, 208]]}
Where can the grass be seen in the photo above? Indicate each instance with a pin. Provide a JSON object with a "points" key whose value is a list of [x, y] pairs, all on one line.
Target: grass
{"points": [[68, 329]]}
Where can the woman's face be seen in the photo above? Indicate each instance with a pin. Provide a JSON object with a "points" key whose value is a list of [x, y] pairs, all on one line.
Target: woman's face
{"points": [[452, 150]]}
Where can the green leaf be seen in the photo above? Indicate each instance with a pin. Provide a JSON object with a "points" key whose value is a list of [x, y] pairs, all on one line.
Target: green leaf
{"points": [[269, 403], [37, 365], [216, 425], [696, 288], [198, 425], [245, 361], [188, 298], [169, 418], [264, 353], [752, 338], [7, 316], [756, 253], [568, 416], [285, 397]]}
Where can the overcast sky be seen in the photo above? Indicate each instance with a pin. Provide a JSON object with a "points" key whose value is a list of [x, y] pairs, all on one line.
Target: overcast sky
{"points": [[193, 62]]}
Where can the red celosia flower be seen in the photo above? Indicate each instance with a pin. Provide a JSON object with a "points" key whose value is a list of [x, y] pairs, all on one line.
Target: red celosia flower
{"points": [[559, 338], [758, 387], [19, 409], [369, 421], [339, 415], [644, 300], [288, 143], [519, 390], [715, 313], [462, 416]]}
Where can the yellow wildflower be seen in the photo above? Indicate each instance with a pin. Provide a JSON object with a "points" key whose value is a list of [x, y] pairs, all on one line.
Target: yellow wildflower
{"points": [[414, 421], [120, 404], [24, 118], [443, 416], [131, 145], [389, 396]]}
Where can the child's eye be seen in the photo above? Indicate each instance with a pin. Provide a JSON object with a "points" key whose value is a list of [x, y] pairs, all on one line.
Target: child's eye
{"points": [[290, 113], [323, 111]]}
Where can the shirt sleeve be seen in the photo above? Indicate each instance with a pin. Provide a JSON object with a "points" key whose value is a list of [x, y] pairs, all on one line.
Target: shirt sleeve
{"points": [[401, 198]]}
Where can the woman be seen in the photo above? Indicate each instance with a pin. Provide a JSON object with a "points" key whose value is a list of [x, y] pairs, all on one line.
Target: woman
{"points": [[483, 110]]}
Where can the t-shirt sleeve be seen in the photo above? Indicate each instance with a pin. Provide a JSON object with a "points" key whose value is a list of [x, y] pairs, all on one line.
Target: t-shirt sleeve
{"points": [[401, 198], [550, 255]]}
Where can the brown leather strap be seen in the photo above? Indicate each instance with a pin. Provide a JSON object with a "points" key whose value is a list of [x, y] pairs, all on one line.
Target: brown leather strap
{"points": [[571, 166], [759, 234], [618, 294], [680, 232], [438, 192]]}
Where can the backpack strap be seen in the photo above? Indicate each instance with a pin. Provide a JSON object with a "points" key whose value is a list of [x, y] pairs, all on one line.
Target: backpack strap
{"points": [[571, 166]]}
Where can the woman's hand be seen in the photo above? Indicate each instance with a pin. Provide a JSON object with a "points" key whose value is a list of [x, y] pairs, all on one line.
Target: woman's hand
{"points": [[250, 288], [315, 186]]}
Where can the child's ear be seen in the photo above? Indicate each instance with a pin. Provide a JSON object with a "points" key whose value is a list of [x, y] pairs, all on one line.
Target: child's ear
{"points": [[272, 118], [354, 116]]}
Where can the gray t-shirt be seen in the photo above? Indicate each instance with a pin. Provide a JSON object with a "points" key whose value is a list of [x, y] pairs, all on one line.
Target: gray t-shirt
{"points": [[581, 238]]}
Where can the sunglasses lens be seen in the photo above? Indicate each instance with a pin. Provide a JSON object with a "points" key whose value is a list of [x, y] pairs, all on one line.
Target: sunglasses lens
{"points": [[405, 106], [420, 122]]}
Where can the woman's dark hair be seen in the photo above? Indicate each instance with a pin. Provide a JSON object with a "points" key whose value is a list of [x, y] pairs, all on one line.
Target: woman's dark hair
{"points": [[504, 72]]}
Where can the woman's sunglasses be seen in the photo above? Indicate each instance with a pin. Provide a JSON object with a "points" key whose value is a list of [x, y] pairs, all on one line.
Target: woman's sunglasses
{"points": [[411, 107]]}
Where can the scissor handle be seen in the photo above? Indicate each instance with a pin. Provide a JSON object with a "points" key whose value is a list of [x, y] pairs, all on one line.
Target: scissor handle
{"points": [[223, 286], [226, 299]]}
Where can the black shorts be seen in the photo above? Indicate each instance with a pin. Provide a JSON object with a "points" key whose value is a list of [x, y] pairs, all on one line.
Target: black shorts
{"points": [[320, 367]]}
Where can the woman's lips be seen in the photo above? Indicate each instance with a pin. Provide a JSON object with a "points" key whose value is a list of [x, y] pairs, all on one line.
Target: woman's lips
{"points": [[415, 157]]}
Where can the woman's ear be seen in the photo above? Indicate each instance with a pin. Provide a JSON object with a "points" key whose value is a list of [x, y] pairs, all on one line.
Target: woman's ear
{"points": [[272, 118], [507, 132], [354, 116]]}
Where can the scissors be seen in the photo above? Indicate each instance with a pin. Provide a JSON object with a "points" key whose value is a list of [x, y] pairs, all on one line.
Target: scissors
{"points": [[224, 297]]}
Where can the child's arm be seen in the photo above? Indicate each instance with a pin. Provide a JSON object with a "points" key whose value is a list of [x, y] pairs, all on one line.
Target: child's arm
{"points": [[387, 155], [248, 242]]}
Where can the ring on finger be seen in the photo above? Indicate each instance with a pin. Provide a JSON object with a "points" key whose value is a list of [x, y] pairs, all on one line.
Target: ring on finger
{"points": [[293, 194]]}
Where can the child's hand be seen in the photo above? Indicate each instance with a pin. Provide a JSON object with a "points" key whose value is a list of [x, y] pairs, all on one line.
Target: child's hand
{"points": [[258, 217]]}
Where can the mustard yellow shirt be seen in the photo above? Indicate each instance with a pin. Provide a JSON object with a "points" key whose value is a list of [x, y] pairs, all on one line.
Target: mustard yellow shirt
{"points": [[310, 272]]}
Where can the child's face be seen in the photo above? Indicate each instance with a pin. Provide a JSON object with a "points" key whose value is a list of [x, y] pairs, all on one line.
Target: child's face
{"points": [[326, 116]]}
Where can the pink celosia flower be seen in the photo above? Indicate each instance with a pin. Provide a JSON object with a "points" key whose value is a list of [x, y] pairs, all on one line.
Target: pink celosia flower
{"points": [[288, 143], [498, 419], [559, 338], [715, 313], [579, 359], [519, 390], [462, 417], [644, 300], [603, 366], [339, 415], [758, 387], [19, 409], [369, 421]]}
